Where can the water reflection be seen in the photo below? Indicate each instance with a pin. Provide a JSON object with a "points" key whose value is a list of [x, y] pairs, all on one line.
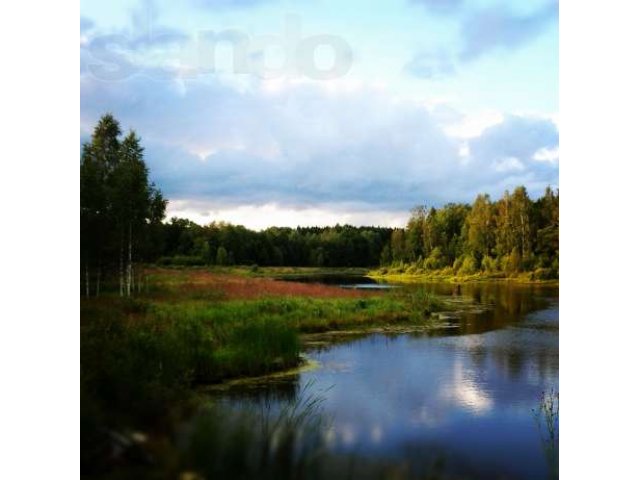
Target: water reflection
{"points": [[466, 392], [463, 394]]}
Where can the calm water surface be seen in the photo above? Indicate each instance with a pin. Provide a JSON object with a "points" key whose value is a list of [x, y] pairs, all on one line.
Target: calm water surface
{"points": [[463, 395]]}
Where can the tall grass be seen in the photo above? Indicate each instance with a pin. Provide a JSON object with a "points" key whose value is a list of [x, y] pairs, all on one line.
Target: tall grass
{"points": [[137, 351], [421, 302], [286, 441], [263, 443], [547, 416]]}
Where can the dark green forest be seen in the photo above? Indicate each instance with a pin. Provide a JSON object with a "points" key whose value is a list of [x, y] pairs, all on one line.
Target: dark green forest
{"points": [[122, 219], [223, 244]]}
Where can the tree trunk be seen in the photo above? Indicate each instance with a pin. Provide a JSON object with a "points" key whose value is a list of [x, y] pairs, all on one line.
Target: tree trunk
{"points": [[98, 282]]}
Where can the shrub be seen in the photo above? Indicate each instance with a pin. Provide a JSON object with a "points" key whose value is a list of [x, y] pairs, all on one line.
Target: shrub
{"points": [[457, 264], [435, 260], [511, 263], [469, 265], [544, 274], [489, 264]]}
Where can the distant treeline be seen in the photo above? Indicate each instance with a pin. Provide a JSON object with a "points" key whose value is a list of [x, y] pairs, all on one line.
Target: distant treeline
{"points": [[186, 242], [511, 235]]}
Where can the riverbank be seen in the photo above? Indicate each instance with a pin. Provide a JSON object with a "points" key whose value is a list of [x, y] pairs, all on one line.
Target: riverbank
{"points": [[148, 362], [141, 356], [448, 276]]}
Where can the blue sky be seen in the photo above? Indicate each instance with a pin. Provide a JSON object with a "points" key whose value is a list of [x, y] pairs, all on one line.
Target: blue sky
{"points": [[267, 112]]}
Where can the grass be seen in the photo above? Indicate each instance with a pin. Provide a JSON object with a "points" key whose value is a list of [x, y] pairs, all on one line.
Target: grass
{"points": [[290, 440], [203, 341], [142, 356], [228, 283], [547, 416], [449, 275], [191, 326]]}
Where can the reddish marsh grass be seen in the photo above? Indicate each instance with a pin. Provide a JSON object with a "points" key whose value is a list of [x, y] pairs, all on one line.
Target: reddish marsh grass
{"points": [[235, 287]]}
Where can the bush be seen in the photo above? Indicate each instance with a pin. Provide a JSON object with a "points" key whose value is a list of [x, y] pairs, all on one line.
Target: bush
{"points": [[457, 264], [411, 269], [435, 260], [489, 264], [469, 265], [544, 274], [511, 263]]}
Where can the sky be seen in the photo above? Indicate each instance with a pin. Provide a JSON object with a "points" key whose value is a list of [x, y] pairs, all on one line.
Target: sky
{"points": [[317, 112]]}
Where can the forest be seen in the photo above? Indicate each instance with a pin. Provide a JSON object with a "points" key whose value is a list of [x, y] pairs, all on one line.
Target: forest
{"points": [[511, 235], [122, 219]]}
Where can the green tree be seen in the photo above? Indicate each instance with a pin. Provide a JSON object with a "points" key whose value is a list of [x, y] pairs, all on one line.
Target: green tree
{"points": [[415, 232], [398, 246], [119, 208], [480, 227], [431, 234], [222, 257], [521, 220], [547, 245], [99, 159]]}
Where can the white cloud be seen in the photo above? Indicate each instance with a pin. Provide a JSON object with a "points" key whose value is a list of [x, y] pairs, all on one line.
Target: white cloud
{"points": [[263, 216], [470, 126], [550, 155], [509, 164]]}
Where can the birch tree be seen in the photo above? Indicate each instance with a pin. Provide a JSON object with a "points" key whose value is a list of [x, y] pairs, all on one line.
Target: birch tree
{"points": [[98, 160], [119, 207]]}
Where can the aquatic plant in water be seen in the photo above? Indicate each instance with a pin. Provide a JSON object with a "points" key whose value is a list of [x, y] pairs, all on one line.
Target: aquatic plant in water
{"points": [[547, 415]]}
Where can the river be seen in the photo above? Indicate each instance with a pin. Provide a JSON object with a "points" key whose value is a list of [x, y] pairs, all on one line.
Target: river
{"points": [[462, 397]]}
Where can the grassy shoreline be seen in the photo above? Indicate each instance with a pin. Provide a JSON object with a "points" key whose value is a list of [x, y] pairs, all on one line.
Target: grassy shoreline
{"points": [[446, 275], [142, 356], [449, 278], [146, 360]]}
